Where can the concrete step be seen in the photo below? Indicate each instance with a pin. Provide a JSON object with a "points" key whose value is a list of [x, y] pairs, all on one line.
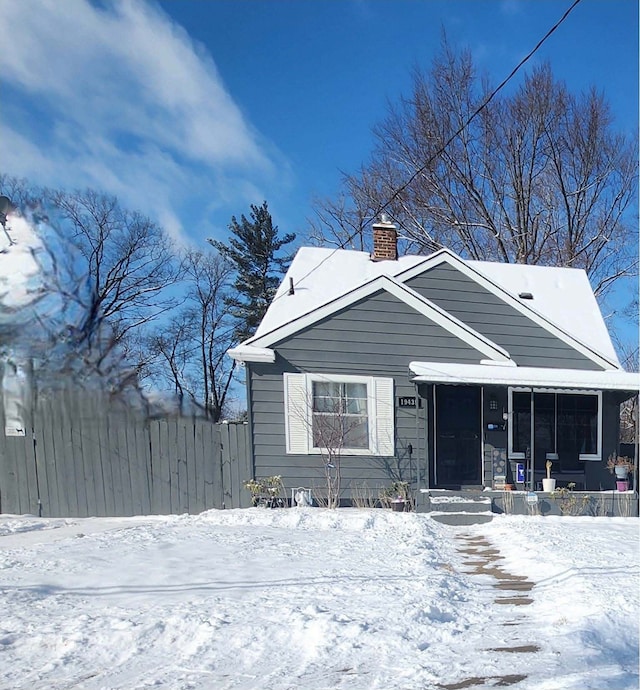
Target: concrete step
{"points": [[456, 507], [458, 504], [466, 491], [460, 519]]}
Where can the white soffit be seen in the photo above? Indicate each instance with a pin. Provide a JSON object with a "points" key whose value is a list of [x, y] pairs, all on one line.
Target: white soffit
{"points": [[537, 377], [249, 353]]}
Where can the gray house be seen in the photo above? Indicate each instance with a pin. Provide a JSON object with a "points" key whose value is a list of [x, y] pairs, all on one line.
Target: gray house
{"points": [[439, 371]]}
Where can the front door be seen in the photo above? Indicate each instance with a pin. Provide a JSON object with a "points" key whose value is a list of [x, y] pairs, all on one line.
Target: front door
{"points": [[458, 436]]}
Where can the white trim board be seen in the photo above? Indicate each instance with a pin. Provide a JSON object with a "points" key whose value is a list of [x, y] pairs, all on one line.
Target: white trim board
{"points": [[249, 353], [538, 377]]}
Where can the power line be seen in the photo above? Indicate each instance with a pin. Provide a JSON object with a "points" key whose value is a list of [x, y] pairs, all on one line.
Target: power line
{"points": [[420, 170], [478, 110]]}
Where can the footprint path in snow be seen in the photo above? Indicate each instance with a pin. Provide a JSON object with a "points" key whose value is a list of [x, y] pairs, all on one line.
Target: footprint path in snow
{"points": [[483, 559]]}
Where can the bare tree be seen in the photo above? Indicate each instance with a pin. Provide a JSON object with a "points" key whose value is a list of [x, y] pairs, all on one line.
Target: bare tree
{"points": [[334, 415], [629, 418], [127, 262], [329, 436], [629, 421], [106, 272], [111, 272], [538, 176], [190, 350], [23, 195], [339, 223]]}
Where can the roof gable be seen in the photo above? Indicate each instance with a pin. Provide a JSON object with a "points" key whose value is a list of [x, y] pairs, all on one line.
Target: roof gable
{"points": [[485, 273], [323, 278], [402, 292], [563, 296]]}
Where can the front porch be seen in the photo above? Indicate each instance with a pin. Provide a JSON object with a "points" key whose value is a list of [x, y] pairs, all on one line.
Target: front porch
{"points": [[492, 438]]}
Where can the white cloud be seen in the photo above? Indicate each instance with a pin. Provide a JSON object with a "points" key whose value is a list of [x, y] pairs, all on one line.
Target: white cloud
{"points": [[118, 97]]}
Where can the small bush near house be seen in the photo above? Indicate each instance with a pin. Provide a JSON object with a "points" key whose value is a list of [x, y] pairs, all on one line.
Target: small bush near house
{"points": [[363, 497], [267, 492], [396, 491], [569, 502]]}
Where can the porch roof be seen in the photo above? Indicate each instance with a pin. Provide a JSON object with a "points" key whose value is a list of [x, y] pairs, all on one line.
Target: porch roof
{"points": [[497, 375]]}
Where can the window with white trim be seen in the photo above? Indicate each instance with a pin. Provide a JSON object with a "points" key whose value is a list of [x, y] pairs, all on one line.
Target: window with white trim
{"points": [[352, 413], [340, 415]]}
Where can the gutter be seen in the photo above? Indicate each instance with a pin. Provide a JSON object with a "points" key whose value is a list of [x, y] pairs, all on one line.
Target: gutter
{"points": [[249, 353]]}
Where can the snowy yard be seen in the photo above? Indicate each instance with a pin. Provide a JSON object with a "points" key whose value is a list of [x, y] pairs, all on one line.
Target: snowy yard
{"points": [[314, 599]]}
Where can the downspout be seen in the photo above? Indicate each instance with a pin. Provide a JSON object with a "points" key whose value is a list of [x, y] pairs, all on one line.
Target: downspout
{"points": [[415, 385], [250, 418], [426, 442], [532, 460]]}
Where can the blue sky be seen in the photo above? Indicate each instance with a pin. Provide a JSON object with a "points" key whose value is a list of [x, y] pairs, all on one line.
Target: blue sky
{"points": [[191, 110]]}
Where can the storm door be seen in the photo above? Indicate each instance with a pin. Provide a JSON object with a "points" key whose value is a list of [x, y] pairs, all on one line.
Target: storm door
{"points": [[458, 436]]}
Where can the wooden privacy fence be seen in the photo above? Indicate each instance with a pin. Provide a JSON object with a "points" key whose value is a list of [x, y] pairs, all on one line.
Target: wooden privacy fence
{"points": [[83, 455]]}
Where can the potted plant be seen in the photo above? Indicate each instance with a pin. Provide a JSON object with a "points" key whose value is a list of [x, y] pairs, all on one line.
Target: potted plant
{"points": [[548, 484], [620, 465], [397, 496]]}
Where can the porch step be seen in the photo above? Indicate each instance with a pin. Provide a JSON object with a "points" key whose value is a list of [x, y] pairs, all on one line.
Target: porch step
{"points": [[459, 504], [461, 519], [454, 508]]}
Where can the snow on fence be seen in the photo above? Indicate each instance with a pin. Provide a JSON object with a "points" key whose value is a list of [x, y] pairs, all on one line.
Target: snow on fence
{"points": [[83, 455]]}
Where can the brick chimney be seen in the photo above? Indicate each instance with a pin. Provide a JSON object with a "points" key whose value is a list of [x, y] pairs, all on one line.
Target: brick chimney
{"points": [[385, 240]]}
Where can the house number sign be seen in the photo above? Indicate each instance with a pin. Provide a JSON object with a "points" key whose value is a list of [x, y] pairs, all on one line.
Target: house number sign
{"points": [[408, 402]]}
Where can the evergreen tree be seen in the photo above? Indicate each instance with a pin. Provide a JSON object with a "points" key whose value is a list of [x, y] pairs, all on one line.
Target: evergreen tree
{"points": [[252, 249]]}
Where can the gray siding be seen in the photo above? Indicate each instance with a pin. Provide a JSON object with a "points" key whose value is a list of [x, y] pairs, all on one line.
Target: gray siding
{"points": [[267, 393], [365, 335], [529, 344], [377, 336]]}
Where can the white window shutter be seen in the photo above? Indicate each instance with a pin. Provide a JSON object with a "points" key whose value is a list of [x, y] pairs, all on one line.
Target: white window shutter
{"points": [[384, 416], [296, 414]]}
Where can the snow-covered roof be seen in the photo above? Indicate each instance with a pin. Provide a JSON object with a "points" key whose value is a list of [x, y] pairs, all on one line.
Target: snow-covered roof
{"points": [[562, 297], [491, 374], [321, 275]]}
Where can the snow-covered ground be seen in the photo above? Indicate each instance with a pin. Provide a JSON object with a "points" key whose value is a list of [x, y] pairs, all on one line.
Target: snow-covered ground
{"points": [[315, 599]]}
